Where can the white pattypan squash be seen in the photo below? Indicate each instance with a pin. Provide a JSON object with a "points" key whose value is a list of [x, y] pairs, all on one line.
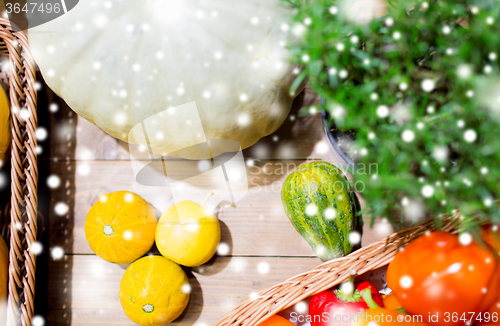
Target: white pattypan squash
{"points": [[119, 62]]}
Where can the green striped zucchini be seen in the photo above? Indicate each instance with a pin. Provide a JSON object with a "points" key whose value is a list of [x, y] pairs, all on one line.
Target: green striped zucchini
{"points": [[319, 202]]}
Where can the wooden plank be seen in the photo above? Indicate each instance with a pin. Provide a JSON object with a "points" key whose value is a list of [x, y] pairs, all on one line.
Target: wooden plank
{"points": [[257, 226], [72, 137], [83, 290]]}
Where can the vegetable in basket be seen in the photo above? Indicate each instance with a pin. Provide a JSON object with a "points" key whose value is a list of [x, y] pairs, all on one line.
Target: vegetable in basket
{"points": [[276, 320], [319, 202], [117, 63], [491, 235], [391, 302], [4, 126], [442, 275], [382, 317], [326, 306]]}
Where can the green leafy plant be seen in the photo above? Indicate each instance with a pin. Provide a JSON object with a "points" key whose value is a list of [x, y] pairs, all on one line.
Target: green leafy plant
{"points": [[419, 85]]}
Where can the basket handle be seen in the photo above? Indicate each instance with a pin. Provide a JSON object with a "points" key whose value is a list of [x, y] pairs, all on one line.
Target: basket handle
{"points": [[24, 174]]}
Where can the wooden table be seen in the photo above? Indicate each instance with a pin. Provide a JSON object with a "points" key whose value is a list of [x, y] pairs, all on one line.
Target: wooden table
{"points": [[82, 289]]}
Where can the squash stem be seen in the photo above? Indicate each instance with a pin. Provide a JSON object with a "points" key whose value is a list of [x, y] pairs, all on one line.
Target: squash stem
{"points": [[351, 281], [204, 202], [366, 294]]}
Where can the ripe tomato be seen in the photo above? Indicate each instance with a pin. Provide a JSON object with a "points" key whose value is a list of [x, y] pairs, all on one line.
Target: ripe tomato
{"points": [[437, 275]]}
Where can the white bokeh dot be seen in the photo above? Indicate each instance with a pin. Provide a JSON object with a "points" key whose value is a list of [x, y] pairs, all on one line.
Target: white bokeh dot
{"points": [[464, 71], [355, 238], [470, 136], [53, 107], [83, 169], [53, 181], [243, 97], [186, 288], [218, 55], [129, 197], [253, 295], [408, 135], [127, 235], [223, 249], [406, 282], [428, 85], [465, 239], [263, 268], [38, 321], [311, 209], [193, 226], [41, 133], [330, 213], [57, 253], [301, 307], [427, 191], [382, 111], [61, 208], [36, 248]]}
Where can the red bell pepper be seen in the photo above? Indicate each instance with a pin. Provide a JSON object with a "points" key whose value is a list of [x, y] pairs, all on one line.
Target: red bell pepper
{"points": [[334, 308]]}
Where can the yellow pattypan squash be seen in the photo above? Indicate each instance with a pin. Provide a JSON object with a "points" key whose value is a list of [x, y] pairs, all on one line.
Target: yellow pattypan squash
{"points": [[120, 227], [188, 234], [154, 291], [4, 278], [4, 126]]}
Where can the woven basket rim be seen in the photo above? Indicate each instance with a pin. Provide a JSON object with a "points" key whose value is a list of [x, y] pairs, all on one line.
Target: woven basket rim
{"points": [[274, 299], [24, 174]]}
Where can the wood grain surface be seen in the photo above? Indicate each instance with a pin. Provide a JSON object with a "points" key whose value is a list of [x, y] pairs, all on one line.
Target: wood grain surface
{"points": [[83, 289], [264, 248]]}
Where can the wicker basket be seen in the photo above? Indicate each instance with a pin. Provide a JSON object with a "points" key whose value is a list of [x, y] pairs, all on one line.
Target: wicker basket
{"points": [[326, 276], [24, 174]]}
